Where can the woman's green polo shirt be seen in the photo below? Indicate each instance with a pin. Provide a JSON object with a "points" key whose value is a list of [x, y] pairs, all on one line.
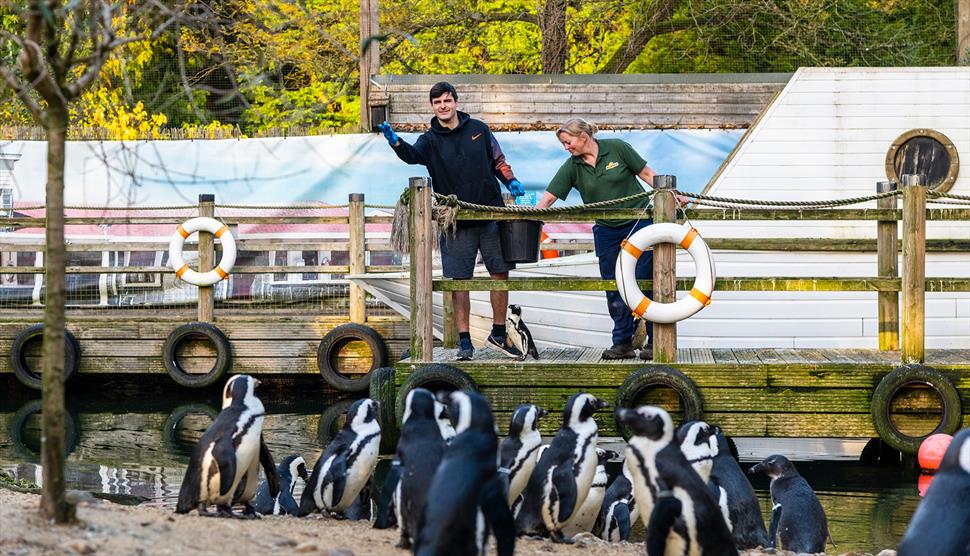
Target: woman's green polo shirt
{"points": [[614, 176]]}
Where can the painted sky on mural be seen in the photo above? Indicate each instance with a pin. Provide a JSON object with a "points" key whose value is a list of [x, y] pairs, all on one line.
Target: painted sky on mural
{"points": [[320, 168]]}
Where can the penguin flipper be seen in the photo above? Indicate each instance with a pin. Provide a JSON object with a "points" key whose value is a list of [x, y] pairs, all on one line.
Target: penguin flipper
{"points": [[337, 476], [662, 518], [225, 457], [385, 502], [269, 468], [564, 483], [773, 528], [288, 504], [494, 505], [189, 491], [621, 513]]}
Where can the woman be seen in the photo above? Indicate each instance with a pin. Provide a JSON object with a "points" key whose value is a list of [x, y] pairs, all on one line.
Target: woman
{"points": [[603, 170]]}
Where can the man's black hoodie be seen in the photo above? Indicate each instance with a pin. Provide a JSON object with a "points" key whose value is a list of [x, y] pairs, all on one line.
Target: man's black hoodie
{"points": [[466, 161]]}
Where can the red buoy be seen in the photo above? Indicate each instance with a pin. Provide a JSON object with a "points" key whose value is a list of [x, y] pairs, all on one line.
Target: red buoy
{"points": [[931, 451], [923, 483]]}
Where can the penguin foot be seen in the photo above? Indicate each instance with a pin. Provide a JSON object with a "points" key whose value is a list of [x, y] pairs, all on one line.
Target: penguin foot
{"points": [[248, 513], [404, 543], [204, 511], [558, 537], [221, 511]]}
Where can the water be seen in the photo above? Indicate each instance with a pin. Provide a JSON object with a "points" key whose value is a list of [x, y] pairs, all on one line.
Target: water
{"points": [[137, 441]]}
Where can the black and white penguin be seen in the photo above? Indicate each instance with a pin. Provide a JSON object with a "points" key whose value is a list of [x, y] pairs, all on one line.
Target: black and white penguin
{"points": [[677, 507], [224, 467], [797, 517], [619, 510], [282, 504], [698, 444], [736, 497], [564, 473], [444, 421], [517, 454], [939, 526], [466, 492], [385, 516], [346, 464], [585, 519], [419, 451], [518, 333]]}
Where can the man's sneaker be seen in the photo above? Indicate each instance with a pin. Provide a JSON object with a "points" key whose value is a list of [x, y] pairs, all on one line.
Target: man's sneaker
{"points": [[620, 351], [498, 343], [646, 353], [465, 350]]}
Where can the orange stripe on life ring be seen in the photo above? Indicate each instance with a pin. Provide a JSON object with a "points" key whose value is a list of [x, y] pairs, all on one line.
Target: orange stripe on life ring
{"points": [[182, 232], [642, 307], [221, 273], [689, 238], [631, 249], [700, 296], [221, 231], [182, 270]]}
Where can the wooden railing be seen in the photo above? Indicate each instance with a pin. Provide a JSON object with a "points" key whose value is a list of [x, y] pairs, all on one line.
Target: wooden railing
{"points": [[913, 284]]}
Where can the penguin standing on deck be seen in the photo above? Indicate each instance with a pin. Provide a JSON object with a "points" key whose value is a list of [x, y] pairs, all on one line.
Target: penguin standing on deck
{"points": [[939, 526], [346, 464], [736, 497], [224, 467], [282, 504], [619, 510], [519, 333], [419, 452], [564, 474], [466, 489], [678, 508], [517, 453], [797, 517], [585, 519]]}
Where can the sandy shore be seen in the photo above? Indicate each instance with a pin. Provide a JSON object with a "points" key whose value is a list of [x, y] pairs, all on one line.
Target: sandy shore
{"points": [[107, 528]]}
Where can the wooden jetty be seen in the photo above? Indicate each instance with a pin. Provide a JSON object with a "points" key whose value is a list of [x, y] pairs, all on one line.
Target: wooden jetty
{"points": [[897, 390]]}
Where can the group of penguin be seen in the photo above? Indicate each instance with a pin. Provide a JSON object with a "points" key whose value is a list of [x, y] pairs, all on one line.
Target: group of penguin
{"points": [[453, 485]]}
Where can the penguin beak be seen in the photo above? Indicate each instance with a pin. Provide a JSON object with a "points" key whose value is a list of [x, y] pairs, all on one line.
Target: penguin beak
{"points": [[755, 469], [541, 412], [444, 397], [625, 415], [601, 404]]}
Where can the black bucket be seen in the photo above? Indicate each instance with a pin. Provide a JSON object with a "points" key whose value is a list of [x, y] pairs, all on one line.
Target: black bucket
{"points": [[520, 240]]}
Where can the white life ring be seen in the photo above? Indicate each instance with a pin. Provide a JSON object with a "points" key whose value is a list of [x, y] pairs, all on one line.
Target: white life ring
{"points": [[217, 229], [626, 279]]}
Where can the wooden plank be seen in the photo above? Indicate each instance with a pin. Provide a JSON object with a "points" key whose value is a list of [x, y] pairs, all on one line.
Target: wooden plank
{"points": [[684, 355], [703, 356], [724, 356], [769, 356], [747, 356]]}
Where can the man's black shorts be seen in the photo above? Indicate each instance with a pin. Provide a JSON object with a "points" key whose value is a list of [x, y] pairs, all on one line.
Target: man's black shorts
{"points": [[459, 251]]}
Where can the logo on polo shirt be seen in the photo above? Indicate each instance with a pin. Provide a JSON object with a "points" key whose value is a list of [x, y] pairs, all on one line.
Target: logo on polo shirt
{"points": [[612, 165]]}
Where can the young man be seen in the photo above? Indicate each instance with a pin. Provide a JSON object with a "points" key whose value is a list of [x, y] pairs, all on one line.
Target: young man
{"points": [[464, 159]]}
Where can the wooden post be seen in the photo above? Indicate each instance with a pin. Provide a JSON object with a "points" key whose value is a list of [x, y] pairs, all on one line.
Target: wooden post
{"points": [[450, 332], [963, 31], [664, 268], [887, 237], [421, 300], [358, 305], [914, 268], [207, 259], [369, 62]]}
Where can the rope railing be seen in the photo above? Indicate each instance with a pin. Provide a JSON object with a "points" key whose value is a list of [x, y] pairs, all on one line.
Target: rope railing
{"points": [[452, 201]]}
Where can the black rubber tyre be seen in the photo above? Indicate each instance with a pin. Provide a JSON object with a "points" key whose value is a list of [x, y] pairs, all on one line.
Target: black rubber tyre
{"points": [[659, 375], [899, 378], [175, 418], [382, 391], [436, 377], [18, 355], [329, 424], [337, 338], [72, 434], [197, 331]]}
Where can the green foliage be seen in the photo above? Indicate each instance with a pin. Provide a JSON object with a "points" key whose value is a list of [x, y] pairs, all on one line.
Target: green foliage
{"points": [[7, 479]]}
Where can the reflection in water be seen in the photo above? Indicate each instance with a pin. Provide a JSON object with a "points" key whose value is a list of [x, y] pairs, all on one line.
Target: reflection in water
{"points": [[140, 445]]}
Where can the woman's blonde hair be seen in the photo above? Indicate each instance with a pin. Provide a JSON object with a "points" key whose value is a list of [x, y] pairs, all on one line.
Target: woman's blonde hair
{"points": [[575, 127]]}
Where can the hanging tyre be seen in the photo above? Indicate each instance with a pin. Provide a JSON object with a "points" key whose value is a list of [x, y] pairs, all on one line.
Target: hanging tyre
{"points": [[18, 355], [335, 341], [329, 424], [174, 421], [436, 377], [72, 433], [896, 380], [197, 331], [651, 377]]}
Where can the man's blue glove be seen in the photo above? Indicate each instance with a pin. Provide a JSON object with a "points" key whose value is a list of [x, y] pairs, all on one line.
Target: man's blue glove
{"points": [[516, 188], [389, 134]]}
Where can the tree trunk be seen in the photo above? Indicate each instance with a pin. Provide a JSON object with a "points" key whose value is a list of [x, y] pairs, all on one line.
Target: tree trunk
{"points": [[646, 25], [54, 505], [552, 23]]}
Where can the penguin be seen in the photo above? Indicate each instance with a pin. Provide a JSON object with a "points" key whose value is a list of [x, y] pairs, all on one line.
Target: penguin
{"points": [[619, 510], [224, 467], [585, 519], [346, 464], [386, 515], [939, 526], [737, 499], [676, 505], [444, 421], [797, 517], [466, 491], [361, 508], [518, 333], [698, 444], [419, 451], [517, 453], [283, 504], [564, 474]]}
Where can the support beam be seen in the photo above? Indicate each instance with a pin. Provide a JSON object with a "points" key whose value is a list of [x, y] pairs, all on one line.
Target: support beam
{"points": [[358, 254], [888, 263], [369, 63], [207, 259], [421, 297], [963, 31], [664, 269], [914, 269]]}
